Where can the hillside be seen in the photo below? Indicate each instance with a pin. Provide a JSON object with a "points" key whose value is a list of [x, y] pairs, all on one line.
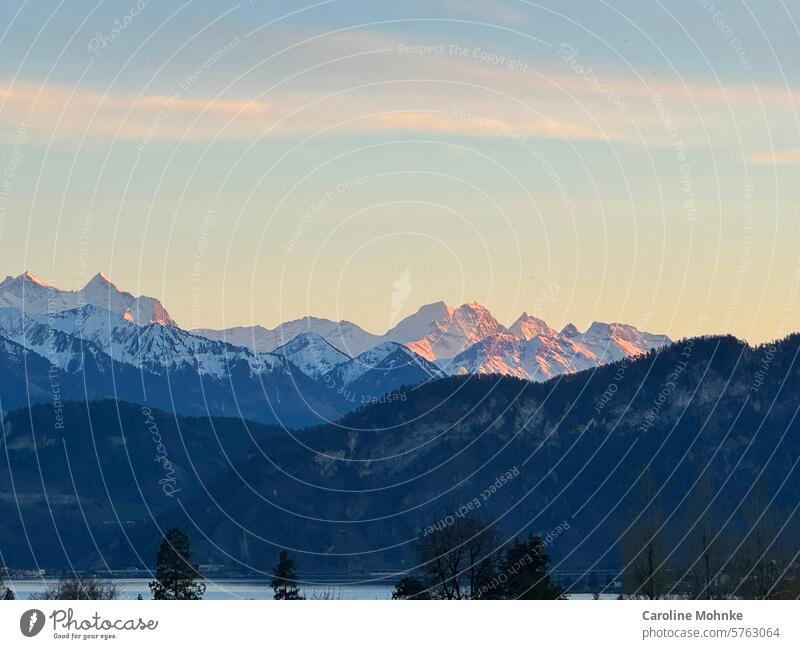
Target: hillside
{"points": [[591, 449]]}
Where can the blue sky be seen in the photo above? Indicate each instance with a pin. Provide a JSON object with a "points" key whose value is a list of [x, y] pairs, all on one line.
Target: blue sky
{"points": [[255, 162]]}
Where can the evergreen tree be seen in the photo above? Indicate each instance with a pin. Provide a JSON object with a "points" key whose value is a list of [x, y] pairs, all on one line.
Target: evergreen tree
{"points": [[176, 576], [410, 588], [5, 592], [284, 583], [525, 566]]}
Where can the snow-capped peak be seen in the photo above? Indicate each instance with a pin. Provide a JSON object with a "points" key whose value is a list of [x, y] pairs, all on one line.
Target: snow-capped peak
{"points": [[100, 278], [570, 331], [419, 324], [34, 296], [29, 276], [27, 280], [389, 356], [142, 310], [312, 354], [612, 342], [439, 331], [31, 294], [528, 326]]}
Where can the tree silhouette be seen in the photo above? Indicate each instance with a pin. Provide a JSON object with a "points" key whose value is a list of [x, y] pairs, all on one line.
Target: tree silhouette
{"points": [[525, 568], [75, 588], [284, 583], [176, 575], [410, 588]]}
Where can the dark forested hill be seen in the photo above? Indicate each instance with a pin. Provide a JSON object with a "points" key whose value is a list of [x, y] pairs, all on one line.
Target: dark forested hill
{"points": [[86, 483], [591, 449]]}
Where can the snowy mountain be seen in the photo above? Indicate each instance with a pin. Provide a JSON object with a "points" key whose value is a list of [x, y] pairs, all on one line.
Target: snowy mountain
{"points": [[343, 335], [154, 347], [100, 319], [570, 331], [528, 326], [548, 354], [35, 296], [142, 310], [91, 354], [467, 338], [379, 371], [438, 331], [60, 348], [537, 359], [312, 354], [612, 342]]}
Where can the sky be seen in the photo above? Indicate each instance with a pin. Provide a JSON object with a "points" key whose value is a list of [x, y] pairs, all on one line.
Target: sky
{"points": [[256, 162]]}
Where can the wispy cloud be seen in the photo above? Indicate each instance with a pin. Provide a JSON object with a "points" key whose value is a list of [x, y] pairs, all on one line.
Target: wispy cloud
{"points": [[782, 157], [64, 113], [70, 113]]}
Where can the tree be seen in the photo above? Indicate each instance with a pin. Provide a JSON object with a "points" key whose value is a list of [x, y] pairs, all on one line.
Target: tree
{"points": [[77, 588], [176, 576], [523, 572], [643, 549], [5, 592], [707, 547], [284, 582], [760, 568], [410, 588], [458, 559]]}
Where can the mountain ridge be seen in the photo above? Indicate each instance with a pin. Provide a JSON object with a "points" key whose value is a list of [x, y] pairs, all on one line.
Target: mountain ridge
{"points": [[467, 339]]}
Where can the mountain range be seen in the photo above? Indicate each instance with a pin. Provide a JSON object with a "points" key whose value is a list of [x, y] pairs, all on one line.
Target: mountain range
{"points": [[351, 496], [344, 447], [106, 342]]}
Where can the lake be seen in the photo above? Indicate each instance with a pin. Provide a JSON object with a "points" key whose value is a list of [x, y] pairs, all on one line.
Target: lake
{"points": [[246, 589], [224, 589]]}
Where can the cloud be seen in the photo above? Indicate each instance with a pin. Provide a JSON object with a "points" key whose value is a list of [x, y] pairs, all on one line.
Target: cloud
{"points": [[361, 82], [783, 157], [71, 112], [393, 108]]}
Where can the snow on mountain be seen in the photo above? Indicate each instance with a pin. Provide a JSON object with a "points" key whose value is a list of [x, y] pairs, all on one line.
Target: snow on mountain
{"points": [[312, 354], [528, 326], [61, 349], [435, 331], [550, 354], [343, 335], [537, 359], [387, 357], [154, 347], [467, 339], [420, 324], [142, 310], [38, 296], [570, 331], [438, 331], [612, 342], [35, 296], [496, 354]]}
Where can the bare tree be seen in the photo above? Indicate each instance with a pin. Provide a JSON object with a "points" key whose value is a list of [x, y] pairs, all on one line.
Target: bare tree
{"points": [[74, 588], [458, 559], [708, 547], [760, 566], [643, 550]]}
